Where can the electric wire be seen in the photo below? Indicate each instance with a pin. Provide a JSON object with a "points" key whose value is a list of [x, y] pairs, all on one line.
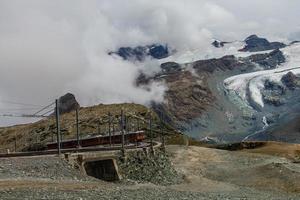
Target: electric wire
{"points": [[19, 103], [43, 109]]}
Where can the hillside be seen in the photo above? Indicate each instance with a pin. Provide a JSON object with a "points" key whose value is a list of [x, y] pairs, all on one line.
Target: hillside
{"points": [[92, 121]]}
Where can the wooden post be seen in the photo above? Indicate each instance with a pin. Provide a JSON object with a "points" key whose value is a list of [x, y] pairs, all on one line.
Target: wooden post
{"points": [[77, 128], [57, 126]]}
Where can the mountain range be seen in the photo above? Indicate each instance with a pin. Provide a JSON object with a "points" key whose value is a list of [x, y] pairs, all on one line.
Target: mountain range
{"points": [[234, 91]]}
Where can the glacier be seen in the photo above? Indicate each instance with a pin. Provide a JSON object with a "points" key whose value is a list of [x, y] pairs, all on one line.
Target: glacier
{"points": [[254, 81]]}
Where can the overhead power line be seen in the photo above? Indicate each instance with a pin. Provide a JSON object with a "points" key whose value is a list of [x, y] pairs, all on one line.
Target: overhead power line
{"points": [[44, 108], [22, 115], [16, 109], [19, 103], [48, 112]]}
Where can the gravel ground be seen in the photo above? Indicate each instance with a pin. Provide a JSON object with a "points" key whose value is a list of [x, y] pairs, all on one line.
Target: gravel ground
{"points": [[208, 174], [139, 194], [50, 167], [155, 169]]}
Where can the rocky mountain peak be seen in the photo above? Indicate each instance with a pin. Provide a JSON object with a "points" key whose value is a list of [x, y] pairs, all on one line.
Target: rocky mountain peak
{"points": [[255, 43], [139, 53], [252, 37]]}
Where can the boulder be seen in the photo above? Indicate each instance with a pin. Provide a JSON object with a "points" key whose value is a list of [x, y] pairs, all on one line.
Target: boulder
{"points": [[67, 103]]}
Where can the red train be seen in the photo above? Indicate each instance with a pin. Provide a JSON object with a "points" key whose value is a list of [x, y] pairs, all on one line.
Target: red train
{"points": [[131, 137]]}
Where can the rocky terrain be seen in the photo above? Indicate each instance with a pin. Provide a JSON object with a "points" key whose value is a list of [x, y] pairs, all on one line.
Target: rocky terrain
{"points": [[255, 43], [269, 171], [243, 95]]}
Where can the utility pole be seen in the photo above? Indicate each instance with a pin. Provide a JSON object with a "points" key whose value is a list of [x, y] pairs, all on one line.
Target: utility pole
{"points": [[99, 128], [57, 126], [109, 126], [113, 129], [151, 135], [128, 124], [162, 131], [77, 128], [125, 127], [15, 143], [138, 124], [123, 131]]}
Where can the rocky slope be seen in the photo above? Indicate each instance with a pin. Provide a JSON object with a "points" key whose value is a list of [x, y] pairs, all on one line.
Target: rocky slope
{"points": [[238, 96]]}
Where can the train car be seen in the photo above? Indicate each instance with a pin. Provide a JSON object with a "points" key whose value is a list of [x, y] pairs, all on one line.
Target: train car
{"points": [[131, 137]]}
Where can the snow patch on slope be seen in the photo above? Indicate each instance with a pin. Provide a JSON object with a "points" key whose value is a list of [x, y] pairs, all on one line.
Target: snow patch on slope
{"points": [[231, 48]]}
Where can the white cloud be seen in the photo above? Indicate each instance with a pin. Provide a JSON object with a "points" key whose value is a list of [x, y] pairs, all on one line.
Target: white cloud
{"points": [[49, 47]]}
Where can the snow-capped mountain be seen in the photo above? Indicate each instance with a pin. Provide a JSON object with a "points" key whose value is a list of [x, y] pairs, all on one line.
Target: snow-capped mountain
{"points": [[232, 91]]}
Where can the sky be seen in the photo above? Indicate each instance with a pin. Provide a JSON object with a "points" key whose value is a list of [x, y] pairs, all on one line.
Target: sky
{"points": [[50, 47]]}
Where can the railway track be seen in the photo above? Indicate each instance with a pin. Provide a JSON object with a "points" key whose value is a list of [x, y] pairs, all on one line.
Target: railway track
{"points": [[73, 150], [131, 137], [133, 140]]}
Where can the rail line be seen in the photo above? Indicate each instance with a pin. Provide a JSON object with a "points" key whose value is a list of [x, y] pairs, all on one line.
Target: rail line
{"points": [[131, 137], [74, 150], [97, 143]]}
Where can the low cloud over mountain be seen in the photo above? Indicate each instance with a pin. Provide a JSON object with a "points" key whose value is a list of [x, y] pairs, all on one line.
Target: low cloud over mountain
{"points": [[48, 48]]}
